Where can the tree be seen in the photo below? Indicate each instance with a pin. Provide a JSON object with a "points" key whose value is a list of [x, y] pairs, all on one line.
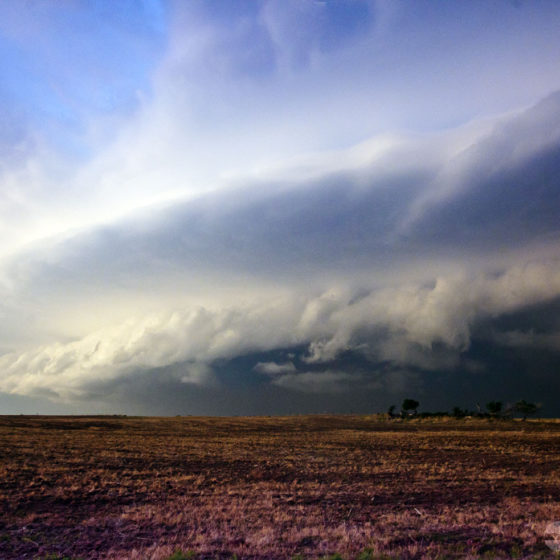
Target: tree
{"points": [[526, 408], [494, 407], [458, 412], [409, 406], [391, 411]]}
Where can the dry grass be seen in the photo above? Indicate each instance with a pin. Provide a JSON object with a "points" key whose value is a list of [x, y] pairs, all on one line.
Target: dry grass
{"points": [[304, 487]]}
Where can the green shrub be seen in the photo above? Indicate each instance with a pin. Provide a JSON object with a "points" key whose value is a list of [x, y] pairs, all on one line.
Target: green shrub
{"points": [[180, 555]]}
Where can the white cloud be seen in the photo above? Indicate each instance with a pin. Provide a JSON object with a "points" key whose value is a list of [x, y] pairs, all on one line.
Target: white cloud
{"points": [[272, 368], [196, 335], [198, 374], [288, 227], [444, 313], [177, 139], [396, 324]]}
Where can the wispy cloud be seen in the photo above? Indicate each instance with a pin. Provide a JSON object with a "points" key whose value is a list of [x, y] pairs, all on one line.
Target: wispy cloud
{"points": [[273, 368]]}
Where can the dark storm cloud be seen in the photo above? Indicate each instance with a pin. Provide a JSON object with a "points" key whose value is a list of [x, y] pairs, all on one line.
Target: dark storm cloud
{"points": [[498, 192], [506, 191], [397, 263]]}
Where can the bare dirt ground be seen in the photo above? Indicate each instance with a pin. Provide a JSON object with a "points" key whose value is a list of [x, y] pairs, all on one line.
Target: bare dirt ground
{"points": [[275, 488]]}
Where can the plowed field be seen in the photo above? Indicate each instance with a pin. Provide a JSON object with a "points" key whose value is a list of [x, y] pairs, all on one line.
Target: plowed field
{"points": [[275, 488]]}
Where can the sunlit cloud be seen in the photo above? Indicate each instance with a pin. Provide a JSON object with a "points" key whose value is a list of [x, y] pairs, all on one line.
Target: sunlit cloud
{"points": [[305, 183]]}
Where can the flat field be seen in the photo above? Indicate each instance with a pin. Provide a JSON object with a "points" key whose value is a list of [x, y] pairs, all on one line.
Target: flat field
{"points": [[304, 487]]}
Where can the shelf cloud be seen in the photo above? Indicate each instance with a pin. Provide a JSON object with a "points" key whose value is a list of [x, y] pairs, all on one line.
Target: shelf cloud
{"points": [[278, 203]]}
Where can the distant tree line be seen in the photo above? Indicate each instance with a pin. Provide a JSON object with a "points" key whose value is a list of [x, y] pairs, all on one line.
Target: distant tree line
{"points": [[494, 409]]}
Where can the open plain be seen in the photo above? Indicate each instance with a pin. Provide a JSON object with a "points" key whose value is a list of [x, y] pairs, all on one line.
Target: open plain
{"points": [[294, 487]]}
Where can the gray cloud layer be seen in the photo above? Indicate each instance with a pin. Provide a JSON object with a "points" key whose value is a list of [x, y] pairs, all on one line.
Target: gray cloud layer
{"points": [[397, 254]]}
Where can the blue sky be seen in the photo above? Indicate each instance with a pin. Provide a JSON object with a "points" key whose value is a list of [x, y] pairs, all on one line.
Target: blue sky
{"points": [[360, 196]]}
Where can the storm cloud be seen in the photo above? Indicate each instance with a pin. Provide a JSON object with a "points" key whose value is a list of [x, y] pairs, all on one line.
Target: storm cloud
{"points": [[299, 240]]}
